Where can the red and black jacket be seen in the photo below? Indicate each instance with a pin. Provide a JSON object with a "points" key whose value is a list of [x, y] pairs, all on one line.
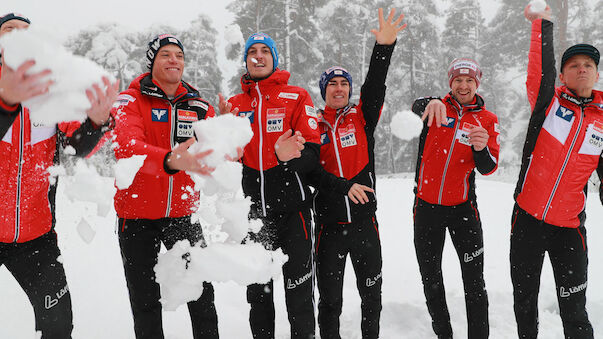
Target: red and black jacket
{"points": [[149, 123], [347, 152], [564, 142], [27, 150], [274, 107], [446, 161]]}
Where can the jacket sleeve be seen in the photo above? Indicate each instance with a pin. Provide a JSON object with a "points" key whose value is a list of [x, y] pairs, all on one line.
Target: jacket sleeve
{"points": [[323, 180], [83, 137], [305, 120], [372, 93], [540, 83], [418, 107], [131, 140], [8, 114], [486, 160], [600, 173]]}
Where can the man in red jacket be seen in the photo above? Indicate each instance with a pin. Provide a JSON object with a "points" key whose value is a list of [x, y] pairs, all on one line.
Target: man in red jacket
{"points": [[283, 149], [155, 117], [463, 137], [563, 148], [347, 157], [28, 242]]}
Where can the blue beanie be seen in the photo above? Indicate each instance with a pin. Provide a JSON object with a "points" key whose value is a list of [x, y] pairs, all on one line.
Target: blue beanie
{"points": [[329, 74], [13, 16], [262, 38]]}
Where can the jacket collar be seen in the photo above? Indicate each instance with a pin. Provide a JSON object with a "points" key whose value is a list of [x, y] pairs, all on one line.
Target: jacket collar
{"points": [[329, 115], [147, 86], [277, 78], [572, 97], [475, 106]]}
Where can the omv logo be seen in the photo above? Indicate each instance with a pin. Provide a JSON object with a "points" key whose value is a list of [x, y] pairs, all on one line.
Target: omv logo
{"points": [[565, 113]]}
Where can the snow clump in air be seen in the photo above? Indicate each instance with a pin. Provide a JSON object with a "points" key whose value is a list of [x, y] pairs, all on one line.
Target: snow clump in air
{"points": [[406, 125], [66, 99], [537, 6]]}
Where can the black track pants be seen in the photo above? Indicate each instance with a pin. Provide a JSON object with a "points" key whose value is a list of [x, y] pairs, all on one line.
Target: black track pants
{"points": [[464, 226], [333, 243], [292, 234], [140, 241], [568, 253], [35, 267]]}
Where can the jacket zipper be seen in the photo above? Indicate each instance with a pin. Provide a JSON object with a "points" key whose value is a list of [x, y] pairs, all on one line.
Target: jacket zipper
{"points": [[171, 177], [261, 133], [335, 142], [19, 173], [456, 127], [567, 156]]}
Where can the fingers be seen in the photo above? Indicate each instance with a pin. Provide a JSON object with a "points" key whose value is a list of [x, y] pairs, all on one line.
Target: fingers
{"points": [[203, 154], [390, 17], [357, 193], [183, 146], [381, 20], [430, 119], [399, 20], [284, 136]]}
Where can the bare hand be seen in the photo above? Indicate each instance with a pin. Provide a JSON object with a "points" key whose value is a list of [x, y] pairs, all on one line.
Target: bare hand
{"points": [[357, 193], [435, 109], [387, 30], [225, 106], [239, 155], [289, 146], [16, 86], [100, 102], [478, 138], [531, 16], [182, 160]]}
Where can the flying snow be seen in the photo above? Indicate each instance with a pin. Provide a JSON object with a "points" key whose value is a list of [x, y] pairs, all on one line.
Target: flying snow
{"points": [[406, 125], [537, 6], [66, 99]]}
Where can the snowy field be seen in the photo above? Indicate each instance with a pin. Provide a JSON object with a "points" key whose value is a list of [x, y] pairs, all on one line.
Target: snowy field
{"points": [[101, 308]]}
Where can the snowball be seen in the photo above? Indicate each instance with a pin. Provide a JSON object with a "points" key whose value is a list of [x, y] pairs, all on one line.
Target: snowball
{"points": [[406, 125], [537, 6], [126, 169], [233, 35], [87, 185], [182, 270], [69, 150], [85, 231], [66, 99]]}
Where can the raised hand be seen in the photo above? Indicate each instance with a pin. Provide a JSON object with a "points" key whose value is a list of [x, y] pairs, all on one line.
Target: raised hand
{"points": [[100, 102], [478, 138], [357, 193], [388, 30], [16, 86], [225, 107], [435, 109], [181, 160], [289, 146], [531, 16]]}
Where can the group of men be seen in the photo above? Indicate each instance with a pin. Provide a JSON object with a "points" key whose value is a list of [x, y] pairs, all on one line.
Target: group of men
{"points": [[295, 147]]}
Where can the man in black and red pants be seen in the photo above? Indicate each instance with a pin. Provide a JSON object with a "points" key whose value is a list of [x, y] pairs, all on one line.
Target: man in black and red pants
{"points": [[563, 148], [347, 173], [460, 135]]}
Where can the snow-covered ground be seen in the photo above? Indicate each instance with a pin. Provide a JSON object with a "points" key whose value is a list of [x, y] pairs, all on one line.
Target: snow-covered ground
{"points": [[101, 307]]}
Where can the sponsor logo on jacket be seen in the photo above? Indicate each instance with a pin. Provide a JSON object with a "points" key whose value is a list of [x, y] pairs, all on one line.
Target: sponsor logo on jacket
{"points": [[186, 115], [324, 139], [247, 114], [347, 135], [564, 113], [274, 119], [449, 122], [159, 114]]}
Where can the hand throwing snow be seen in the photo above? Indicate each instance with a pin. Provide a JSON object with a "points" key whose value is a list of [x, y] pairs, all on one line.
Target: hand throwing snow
{"points": [[181, 160], [101, 102], [289, 146], [16, 86], [225, 106], [435, 109], [387, 30], [531, 16]]}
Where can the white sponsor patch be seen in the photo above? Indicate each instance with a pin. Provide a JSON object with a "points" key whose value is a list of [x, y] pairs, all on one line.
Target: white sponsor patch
{"points": [[312, 123], [274, 119], [347, 135], [496, 128], [462, 135], [464, 71], [311, 112], [197, 103], [593, 139], [184, 129], [558, 122], [285, 95], [39, 133]]}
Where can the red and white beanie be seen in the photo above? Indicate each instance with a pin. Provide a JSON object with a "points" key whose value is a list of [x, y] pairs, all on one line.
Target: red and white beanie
{"points": [[464, 66]]}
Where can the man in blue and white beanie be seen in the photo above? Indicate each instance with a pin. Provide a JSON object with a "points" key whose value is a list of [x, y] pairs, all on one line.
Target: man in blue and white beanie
{"points": [[261, 38], [335, 71]]}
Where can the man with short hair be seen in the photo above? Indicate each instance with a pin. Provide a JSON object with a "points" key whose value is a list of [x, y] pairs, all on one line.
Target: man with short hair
{"points": [[460, 136], [563, 148], [347, 172], [28, 242], [283, 149], [155, 117]]}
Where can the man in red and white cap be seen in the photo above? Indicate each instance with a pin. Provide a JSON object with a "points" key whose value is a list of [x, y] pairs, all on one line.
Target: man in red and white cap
{"points": [[563, 147], [28, 241], [459, 136]]}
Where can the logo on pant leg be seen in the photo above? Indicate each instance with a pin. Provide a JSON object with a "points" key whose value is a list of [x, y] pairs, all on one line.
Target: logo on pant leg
{"points": [[292, 284], [372, 281], [470, 256], [563, 293], [50, 301]]}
